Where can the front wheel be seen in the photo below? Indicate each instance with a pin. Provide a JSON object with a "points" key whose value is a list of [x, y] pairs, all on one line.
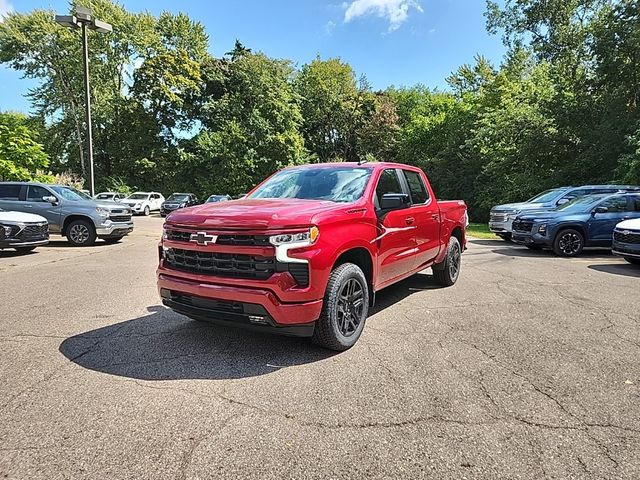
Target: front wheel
{"points": [[344, 310], [447, 272], [147, 211], [81, 233], [633, 261], [568, 243]]}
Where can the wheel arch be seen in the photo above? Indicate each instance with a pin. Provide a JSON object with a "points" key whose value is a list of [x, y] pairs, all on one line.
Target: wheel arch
{"points": [[361, 257], [71, 218]]}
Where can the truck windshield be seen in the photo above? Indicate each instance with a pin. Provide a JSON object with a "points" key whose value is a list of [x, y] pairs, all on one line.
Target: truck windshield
{"points": [[71, 194], [580, 204], [177, 197], [336, 184], [546, 196]]}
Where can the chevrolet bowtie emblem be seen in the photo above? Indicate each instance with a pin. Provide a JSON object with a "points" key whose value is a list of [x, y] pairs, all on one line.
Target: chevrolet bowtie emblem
{"points": [[202, 238]]}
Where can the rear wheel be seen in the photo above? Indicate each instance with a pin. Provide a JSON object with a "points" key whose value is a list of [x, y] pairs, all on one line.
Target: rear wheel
{"points": [[568, 243], [447, 272], [81, 233], [633, 261], [344, 310]]}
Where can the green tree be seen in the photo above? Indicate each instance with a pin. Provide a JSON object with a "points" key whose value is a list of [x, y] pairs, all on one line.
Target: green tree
{"points": [[21, 156]]}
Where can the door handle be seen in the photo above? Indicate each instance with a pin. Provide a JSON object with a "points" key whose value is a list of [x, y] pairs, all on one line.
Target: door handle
{"points": [[409, 220], [435, 216]]}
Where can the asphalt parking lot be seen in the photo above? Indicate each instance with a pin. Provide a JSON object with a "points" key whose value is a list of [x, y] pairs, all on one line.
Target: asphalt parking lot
{"points": [[528, 368]]}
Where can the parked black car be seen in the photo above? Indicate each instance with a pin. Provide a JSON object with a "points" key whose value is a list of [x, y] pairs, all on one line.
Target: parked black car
{"points": [[177, 200]]}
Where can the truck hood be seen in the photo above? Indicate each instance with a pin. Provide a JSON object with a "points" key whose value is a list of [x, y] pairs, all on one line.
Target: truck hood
{"points": [[256, 214], [544, 215], [518, 207], [19, 217]]}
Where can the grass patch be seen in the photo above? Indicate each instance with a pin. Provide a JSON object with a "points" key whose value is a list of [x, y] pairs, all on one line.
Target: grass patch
{"points": [[480, 230]]}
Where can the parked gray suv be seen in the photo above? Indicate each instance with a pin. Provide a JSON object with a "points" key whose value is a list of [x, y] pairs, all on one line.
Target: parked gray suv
{"points": [[70, 213]]}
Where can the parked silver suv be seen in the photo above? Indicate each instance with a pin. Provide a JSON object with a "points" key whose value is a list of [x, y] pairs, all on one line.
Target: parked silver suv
{"points": [[69, 212]]}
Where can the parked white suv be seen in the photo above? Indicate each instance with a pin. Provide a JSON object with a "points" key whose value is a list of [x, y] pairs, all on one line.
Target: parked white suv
{"points": [[144, 202]]}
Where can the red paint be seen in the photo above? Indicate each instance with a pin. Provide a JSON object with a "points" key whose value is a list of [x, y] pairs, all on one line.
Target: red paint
{"points": [[400, 244]]}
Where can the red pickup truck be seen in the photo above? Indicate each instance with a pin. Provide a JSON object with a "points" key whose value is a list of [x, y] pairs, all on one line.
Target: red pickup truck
{"points": [[305, 252]]}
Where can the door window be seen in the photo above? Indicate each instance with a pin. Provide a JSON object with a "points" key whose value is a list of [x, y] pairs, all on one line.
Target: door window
{"points": [[388, 183], [35, 193], [10, 192], [615, 204], [417, 188]]}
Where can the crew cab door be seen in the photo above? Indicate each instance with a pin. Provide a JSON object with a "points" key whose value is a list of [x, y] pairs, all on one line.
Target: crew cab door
{"points": [[396, 241], [426, 214], [603, 221], [36, 204]]}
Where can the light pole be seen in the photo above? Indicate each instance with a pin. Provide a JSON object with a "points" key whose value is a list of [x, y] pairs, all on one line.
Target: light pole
{"points": [[84, 20]]}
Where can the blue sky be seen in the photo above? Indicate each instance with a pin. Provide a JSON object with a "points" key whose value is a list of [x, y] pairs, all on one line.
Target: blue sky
{"points": [[392, 42]]}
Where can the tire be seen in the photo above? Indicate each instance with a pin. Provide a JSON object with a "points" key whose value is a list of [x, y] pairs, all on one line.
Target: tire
{"points": [[344, 309], [147, 211], [505, 236], [633, 261], [534, 247], [568, 243], [447, 272], [25, 249], [81, 233], [112, 240]]}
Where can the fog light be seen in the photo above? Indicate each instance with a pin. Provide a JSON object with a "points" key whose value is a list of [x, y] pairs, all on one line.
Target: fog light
{"points": [[258, 319], [542, 229]]}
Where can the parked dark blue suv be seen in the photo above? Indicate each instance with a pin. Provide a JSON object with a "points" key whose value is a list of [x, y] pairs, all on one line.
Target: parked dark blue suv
{"points": [[584, 222]]}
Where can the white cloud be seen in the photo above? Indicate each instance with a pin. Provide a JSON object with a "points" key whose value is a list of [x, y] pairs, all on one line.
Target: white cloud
{"points": [[329, 27], [395, 11], [5, 7]]}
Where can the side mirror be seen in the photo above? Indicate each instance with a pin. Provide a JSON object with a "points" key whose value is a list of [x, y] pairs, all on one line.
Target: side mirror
{"points": [[600, 210], [50, 199], [562, 201], [393, 201]]}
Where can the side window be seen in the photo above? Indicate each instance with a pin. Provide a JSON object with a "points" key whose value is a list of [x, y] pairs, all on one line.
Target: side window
{"points": [[571, 195], [10, 192], [35, 193], [635, 202], [388, 183], [615, 204], [418, 190]]}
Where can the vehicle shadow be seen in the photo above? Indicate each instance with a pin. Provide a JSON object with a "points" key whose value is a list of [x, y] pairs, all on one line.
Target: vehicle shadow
{"points": [[164, 345], [522, 251], [11, 253], [623, 269]]}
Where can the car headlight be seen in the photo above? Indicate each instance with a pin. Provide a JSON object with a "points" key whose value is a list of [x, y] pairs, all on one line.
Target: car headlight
{"points": [[299, 239], [5, 231], [138, 205], [103, 212], [542, 229]]}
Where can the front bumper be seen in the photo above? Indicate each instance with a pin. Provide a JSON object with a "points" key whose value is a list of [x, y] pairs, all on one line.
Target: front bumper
{"points": [[501, 227], [528, 238], [631, 250], [212, 301], [13, 243], [114, 229], [167, 210]]}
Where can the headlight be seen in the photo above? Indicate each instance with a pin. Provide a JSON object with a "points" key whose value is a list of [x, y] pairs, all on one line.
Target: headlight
{"points": [[5, 231], [303, 238], [103, 212], [513, 215], [542, 229], [138, 205]]}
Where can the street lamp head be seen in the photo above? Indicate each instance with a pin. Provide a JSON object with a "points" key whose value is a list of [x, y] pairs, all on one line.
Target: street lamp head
{"points": [[100, 26], [84, 13], [67, 21]]}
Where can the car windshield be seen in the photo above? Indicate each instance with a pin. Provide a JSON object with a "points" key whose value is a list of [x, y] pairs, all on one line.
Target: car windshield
{"points": [[580, 204], [178, 197], [104, 196], [336, 184], [71, 194], [138, 196], [546, 196], [216, 198]]}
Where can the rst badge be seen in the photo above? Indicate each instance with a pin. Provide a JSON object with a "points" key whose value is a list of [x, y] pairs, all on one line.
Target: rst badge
{"points": [[202, 238]]}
